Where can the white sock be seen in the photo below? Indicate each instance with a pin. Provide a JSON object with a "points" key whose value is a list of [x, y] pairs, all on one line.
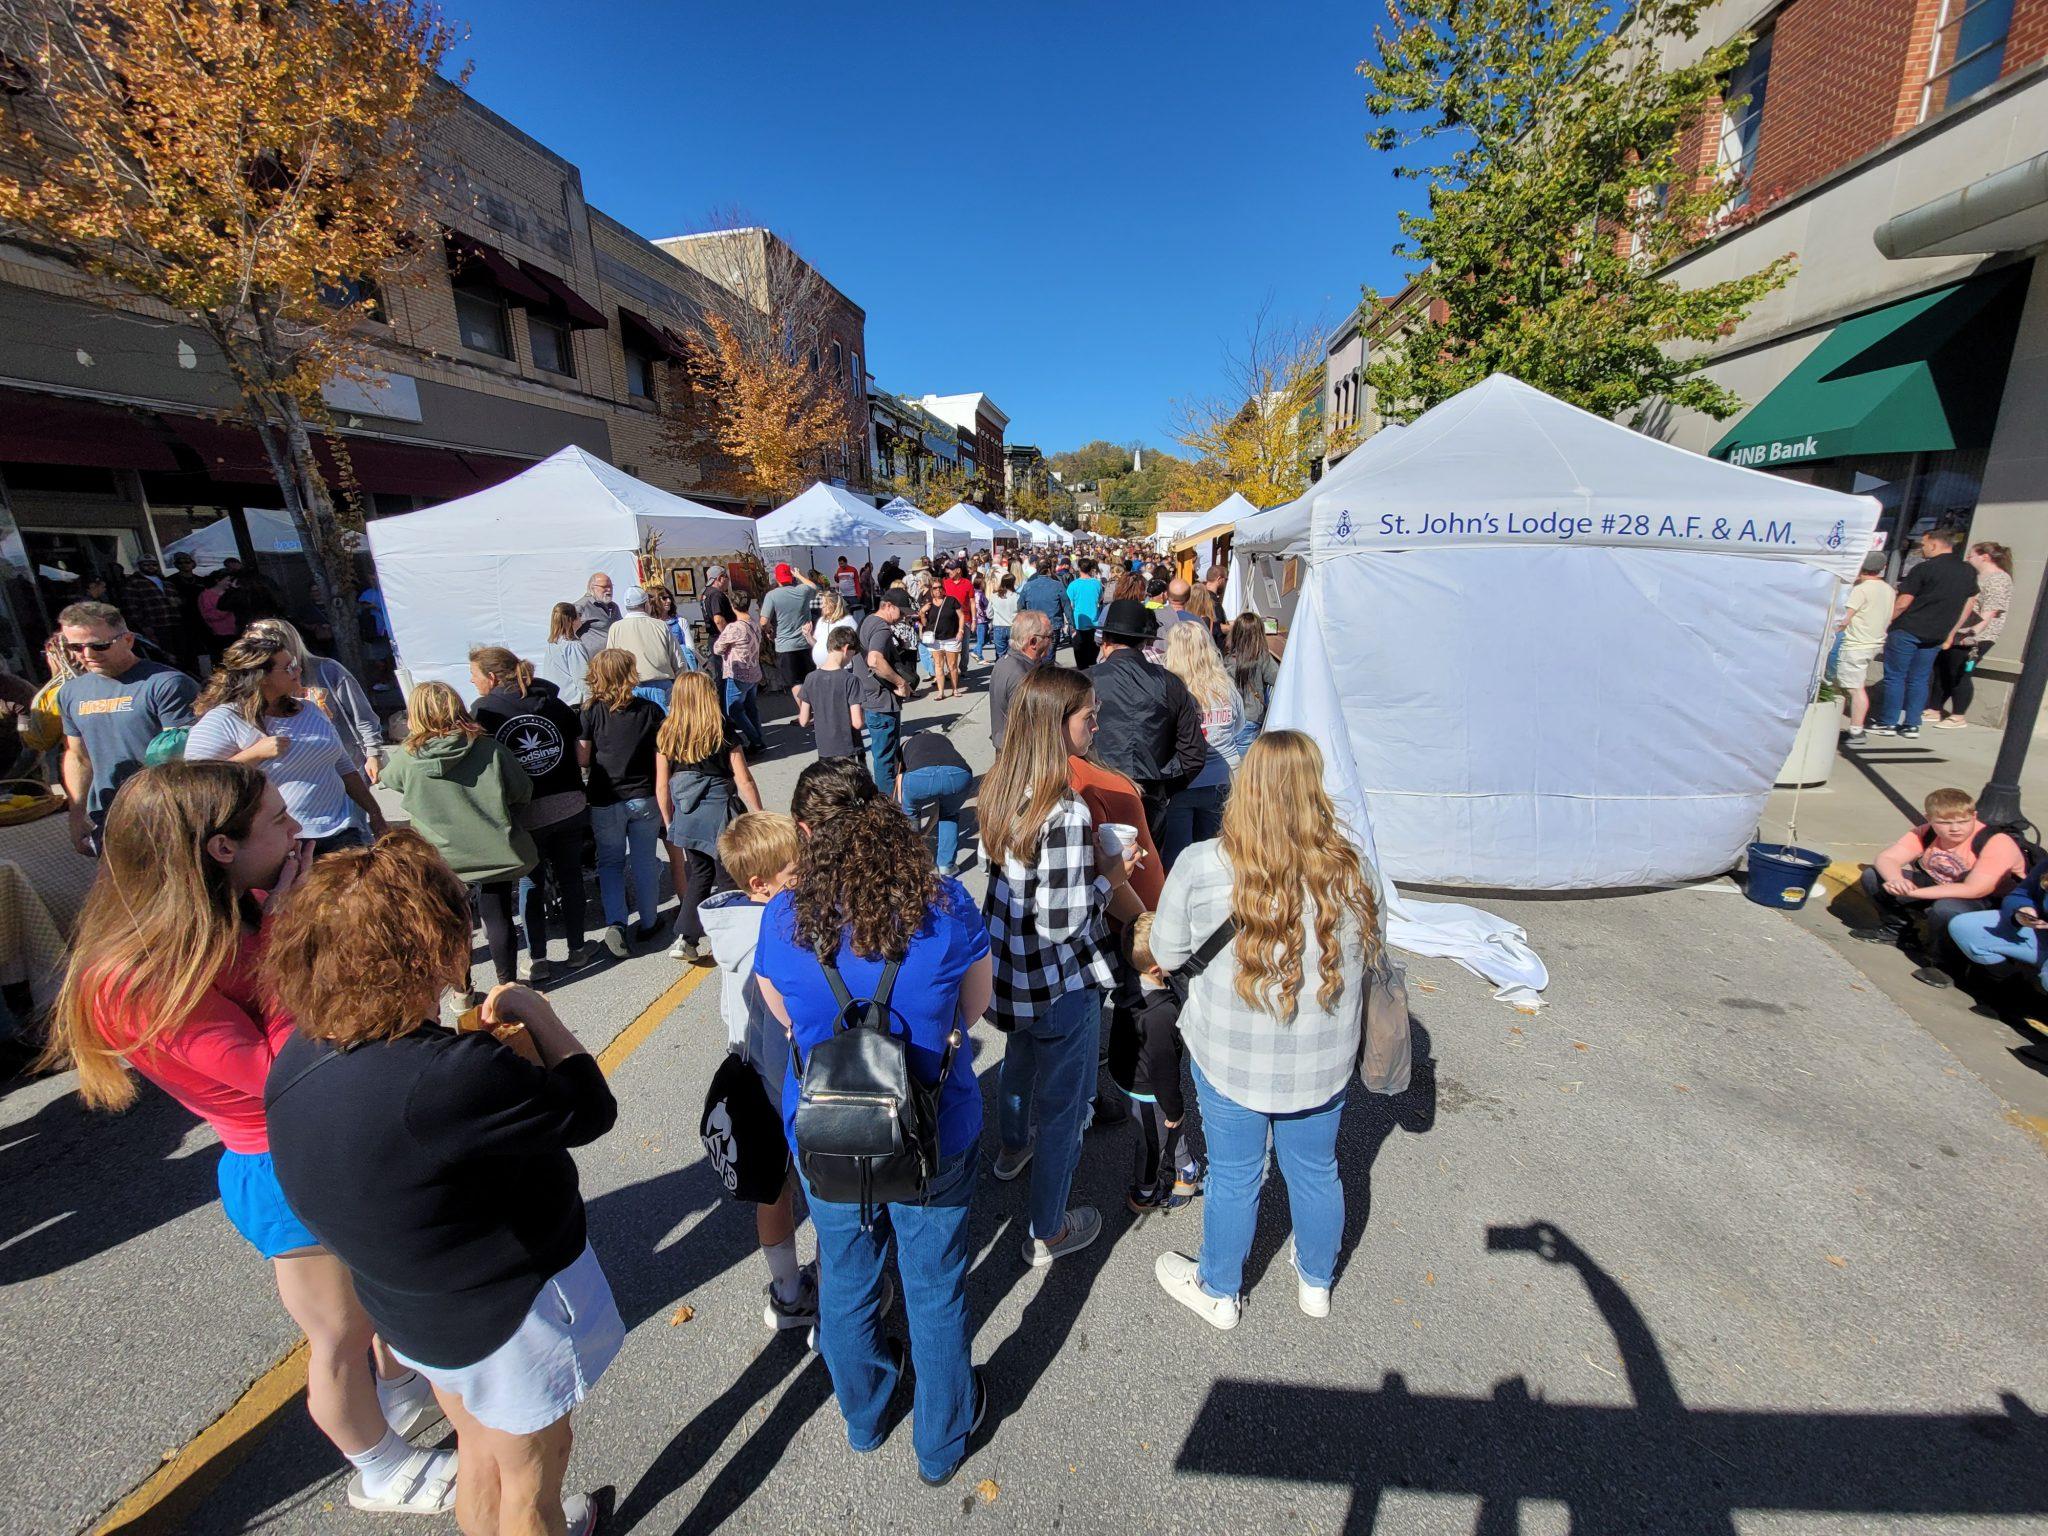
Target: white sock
{"points": [[381, 1462], [783, 1269]]}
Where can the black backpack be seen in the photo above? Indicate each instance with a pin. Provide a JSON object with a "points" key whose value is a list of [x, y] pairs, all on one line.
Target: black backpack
{"points": [[867, 1131], [2022, 833]]}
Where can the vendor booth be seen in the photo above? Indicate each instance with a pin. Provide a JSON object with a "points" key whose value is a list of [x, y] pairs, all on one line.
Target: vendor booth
{"points": [[1168, 526], [1268, 549], [1551, 653], [486, 569], [901, 510], [1210, 543], [813, 530], [964, 525]]}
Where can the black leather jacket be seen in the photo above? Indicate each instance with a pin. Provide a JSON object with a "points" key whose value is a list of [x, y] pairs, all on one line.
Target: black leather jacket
{"points": [[1149, 728]]}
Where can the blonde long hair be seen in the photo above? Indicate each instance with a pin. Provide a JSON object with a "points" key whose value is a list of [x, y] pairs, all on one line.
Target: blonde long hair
{"points": [[160, 924], [1029, 778], [1192, 657], [1284, 845], [434, 710], [611, 678], [695, 727]]}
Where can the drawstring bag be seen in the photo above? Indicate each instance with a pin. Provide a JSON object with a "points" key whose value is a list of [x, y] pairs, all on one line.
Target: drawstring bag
{"points": [[742, 1134]]}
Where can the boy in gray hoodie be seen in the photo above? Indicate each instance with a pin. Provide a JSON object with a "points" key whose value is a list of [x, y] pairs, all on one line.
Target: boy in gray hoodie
{"points": [[759, 851]]}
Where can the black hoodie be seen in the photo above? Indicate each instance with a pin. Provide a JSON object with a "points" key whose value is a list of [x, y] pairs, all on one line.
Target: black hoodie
{"points": [[540, 731]]}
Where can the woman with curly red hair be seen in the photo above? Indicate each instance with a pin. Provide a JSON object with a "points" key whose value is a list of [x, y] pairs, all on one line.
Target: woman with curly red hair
{"points": [[866, 895]]}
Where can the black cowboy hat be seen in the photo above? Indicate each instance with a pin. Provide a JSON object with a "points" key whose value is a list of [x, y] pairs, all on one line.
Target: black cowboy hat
{"points": [[1128, 619]]}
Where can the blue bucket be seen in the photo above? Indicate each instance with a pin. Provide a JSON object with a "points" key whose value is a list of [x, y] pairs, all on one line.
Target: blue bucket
{"points": [[1781, 875]]}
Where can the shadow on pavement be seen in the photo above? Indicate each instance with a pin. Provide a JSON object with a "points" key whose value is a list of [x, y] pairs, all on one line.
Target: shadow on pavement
{"points": [[73, 1191], [1655, 1465]]}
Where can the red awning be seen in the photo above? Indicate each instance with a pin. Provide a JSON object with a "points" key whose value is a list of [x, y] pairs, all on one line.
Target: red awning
{"points": [[564, 300], [232, 455], [469, 258], [227, 451], [37, 429], [658, 340]]}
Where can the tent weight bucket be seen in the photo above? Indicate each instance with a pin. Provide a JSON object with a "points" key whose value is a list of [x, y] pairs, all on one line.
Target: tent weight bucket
{"points": [[1781, 875]]}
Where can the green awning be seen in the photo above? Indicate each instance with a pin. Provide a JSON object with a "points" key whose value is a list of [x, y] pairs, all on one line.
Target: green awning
{"points": [[1918, 376]]}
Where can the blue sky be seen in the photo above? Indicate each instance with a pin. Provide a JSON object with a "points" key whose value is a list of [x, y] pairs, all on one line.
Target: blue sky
{"points": [[1073, 207]]}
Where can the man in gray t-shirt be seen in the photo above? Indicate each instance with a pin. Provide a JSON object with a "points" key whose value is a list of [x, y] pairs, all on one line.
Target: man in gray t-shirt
{"points": [[111, 712], [788, 607]]}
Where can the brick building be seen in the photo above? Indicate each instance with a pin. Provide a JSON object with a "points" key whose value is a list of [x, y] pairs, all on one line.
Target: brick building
{"points": [[1900, 149], [540, 323], [981, 426]]}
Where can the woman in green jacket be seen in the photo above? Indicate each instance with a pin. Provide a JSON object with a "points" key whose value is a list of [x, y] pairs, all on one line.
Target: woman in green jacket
{"points": [[462, 791]]}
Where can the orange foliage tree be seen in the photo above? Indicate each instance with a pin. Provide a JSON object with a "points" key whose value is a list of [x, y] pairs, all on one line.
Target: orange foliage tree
{"points": [[769, 414], [255, 169]]}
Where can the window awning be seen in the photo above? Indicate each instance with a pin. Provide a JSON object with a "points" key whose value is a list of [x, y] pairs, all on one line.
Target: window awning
{"points": [[473, 261], [37, 429], [1919, 376], [578, 312], [644, 335]]}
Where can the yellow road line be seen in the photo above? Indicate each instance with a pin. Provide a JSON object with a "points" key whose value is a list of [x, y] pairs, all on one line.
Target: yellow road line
{"points": [[167, 1499]]}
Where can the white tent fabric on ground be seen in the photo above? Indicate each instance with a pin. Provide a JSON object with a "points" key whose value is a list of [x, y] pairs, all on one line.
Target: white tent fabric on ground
{"points": [[487, 568], [271, 533], [965, 524], [1562, 655], [814, 529]]}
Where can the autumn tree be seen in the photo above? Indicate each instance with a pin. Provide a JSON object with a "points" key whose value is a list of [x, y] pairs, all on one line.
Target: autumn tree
{"points": [[764, 395], [935, 486], [256, 170], [1262, 436], [1549, 134]]}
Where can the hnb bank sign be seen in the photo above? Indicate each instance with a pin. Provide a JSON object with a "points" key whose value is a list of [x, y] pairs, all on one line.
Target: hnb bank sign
{"points": [[1774, 453]]}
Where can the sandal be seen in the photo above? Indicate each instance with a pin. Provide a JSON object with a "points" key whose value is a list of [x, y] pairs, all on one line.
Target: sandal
{"points": [[425, 1485]]}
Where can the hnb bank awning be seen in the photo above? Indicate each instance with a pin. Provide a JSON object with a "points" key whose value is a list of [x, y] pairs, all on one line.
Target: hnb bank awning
{"points": [[1918, 376]]}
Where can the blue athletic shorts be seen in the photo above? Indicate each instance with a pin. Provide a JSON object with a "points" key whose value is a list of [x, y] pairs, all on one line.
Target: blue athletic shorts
{"points": [[250, 1194]]}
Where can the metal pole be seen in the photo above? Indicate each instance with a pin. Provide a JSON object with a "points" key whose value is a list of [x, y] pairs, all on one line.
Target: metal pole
{"points": [[2000, 801]]}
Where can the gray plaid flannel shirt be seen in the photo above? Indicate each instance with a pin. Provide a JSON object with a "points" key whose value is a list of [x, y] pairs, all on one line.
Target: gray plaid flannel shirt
{"points": [[1264, 1063]]}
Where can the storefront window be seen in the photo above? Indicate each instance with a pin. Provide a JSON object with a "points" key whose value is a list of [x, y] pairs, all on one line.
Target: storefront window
{"points": [[1917, 491], [23, 624]]}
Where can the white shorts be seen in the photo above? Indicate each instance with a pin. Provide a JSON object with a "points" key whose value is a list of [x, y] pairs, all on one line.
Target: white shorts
{"points": [[946, 647], [1852, 667], [570, 1334]]}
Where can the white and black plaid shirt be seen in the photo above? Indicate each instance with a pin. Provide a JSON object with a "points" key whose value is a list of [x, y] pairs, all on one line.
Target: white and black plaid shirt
{"points": [[1046, 919]]}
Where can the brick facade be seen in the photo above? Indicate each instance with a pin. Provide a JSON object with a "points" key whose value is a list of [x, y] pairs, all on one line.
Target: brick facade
{"points": [[1837, 81]]}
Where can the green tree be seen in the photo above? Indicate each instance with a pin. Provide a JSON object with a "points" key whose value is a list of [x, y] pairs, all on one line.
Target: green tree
{"points": [[1551, 135], [1091, 462]]}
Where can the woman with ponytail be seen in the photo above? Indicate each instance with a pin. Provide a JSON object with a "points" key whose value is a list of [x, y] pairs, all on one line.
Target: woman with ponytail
{"points": [[525, 714], [162, 981], [1983, 621], [1273, 1021], [866, 894]]}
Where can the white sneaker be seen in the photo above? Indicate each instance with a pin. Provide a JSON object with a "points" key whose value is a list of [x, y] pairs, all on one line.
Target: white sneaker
{"points": [[1313, 1299], [615, 940], [683, 949], [1083, 1226], [425, 1485], [1178, 1277]]}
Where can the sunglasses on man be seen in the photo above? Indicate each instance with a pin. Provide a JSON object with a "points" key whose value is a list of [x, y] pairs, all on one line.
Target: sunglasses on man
{"points": [[97, 647]]}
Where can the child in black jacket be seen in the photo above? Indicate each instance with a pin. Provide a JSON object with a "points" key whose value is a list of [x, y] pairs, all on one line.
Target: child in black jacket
{"points": [[1145, 1059]]}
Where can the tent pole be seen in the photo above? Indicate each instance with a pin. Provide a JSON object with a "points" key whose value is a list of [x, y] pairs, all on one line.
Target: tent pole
{"points": [[2000, 801], [1820, 663]]}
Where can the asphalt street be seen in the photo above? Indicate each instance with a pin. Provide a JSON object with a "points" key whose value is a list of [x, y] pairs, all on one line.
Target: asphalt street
{"points": [[1721, 1241]]}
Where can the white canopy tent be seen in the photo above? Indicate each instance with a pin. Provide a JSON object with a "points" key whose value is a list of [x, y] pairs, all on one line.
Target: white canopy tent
{"points": [[1168, 526], [485, 569], [1264, 542], [1558, 654], [971, 525], [901, 510], [1038, 533], [815, 528], [211, 547]]}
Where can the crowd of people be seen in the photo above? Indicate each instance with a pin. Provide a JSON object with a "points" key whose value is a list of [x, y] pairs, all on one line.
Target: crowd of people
{"points": [[1170, 897]]}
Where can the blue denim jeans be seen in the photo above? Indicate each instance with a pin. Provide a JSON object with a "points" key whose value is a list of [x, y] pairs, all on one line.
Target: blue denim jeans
{"points": [[932, 1253], [1306, 1145], [1002, 638], [980, 639], [945, 787], [1908, 675], [1192, 816], [924, 661], [626, 834], [743, 711], [1992, 938], [1049, 1062], [885, 729]]}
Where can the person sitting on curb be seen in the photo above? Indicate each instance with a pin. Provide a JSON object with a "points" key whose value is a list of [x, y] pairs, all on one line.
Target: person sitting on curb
{"points": [[1946, 866], [1996, 940]]}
